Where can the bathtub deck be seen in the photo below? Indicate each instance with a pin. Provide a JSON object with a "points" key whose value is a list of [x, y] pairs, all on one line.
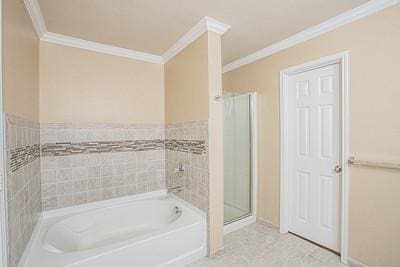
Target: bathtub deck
{"points": [[261, 245]]}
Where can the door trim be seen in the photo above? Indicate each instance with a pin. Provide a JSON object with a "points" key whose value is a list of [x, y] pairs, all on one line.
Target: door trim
{"points": [[341, 58]]}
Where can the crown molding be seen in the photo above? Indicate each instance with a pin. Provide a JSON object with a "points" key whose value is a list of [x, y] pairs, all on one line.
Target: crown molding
{"points": [[36, 16], [99, 47], [357, 13], [35, 13], [204, 25], [216, 26]]}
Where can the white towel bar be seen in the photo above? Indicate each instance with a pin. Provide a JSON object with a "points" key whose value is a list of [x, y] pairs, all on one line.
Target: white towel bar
{"points": [[373, 163]]}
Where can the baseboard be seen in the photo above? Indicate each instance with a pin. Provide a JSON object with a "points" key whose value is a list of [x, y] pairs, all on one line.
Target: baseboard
{"points": [[350, 262], [353, 263], [34, 235], [234, 226], [215, 252], [268, 223]]}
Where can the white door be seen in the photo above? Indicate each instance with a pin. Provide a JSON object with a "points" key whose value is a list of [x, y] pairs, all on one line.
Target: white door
{"points": [[314, 155]]}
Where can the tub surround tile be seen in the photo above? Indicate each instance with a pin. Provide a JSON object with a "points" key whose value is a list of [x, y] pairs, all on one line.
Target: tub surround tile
{"points": [[90, 162], [23, 183], [52, 166], [97, 132], [63, 201], [189, 148], [100, 161], [92, 183], [20, 132]]}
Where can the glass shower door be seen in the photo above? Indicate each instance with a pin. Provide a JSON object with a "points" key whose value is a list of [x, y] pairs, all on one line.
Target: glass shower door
{"points": [[237, 157]]}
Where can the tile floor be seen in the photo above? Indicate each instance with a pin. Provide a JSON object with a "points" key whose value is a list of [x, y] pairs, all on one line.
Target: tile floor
{"points": [[261, 245]]}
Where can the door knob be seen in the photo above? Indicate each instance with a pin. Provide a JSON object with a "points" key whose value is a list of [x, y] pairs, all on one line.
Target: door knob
{"points": [[338, 169]]}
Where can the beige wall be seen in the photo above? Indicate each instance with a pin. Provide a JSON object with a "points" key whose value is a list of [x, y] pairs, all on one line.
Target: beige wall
{"points": [[20, 62], [192, 79], [186, 83], [80, 86], [373, 44], [216, 150]]}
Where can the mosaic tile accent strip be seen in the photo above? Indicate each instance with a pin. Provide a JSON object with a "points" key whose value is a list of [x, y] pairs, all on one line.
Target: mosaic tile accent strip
{"points": [[20, 157], [188, 146], [64, 149]]}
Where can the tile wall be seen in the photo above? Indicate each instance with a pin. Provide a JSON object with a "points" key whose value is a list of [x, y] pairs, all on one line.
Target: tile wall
{"points": [[23, 192], [60, 165], [187, 143], [86, 163]]}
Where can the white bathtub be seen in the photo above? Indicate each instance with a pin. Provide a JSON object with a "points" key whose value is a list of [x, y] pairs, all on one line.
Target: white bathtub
{"points": [[134, 231]]}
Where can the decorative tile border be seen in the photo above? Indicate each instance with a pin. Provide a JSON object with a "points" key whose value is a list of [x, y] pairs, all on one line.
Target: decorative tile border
{"points": [[188, 146], [65, 149], [22, 156]]}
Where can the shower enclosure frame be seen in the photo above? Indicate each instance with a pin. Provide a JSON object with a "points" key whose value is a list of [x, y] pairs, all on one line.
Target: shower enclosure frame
{"points": [[251, 217]]}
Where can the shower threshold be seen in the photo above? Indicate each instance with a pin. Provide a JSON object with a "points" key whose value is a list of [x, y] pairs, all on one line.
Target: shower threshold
{"points": [[239, 223], [236, 218]]}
